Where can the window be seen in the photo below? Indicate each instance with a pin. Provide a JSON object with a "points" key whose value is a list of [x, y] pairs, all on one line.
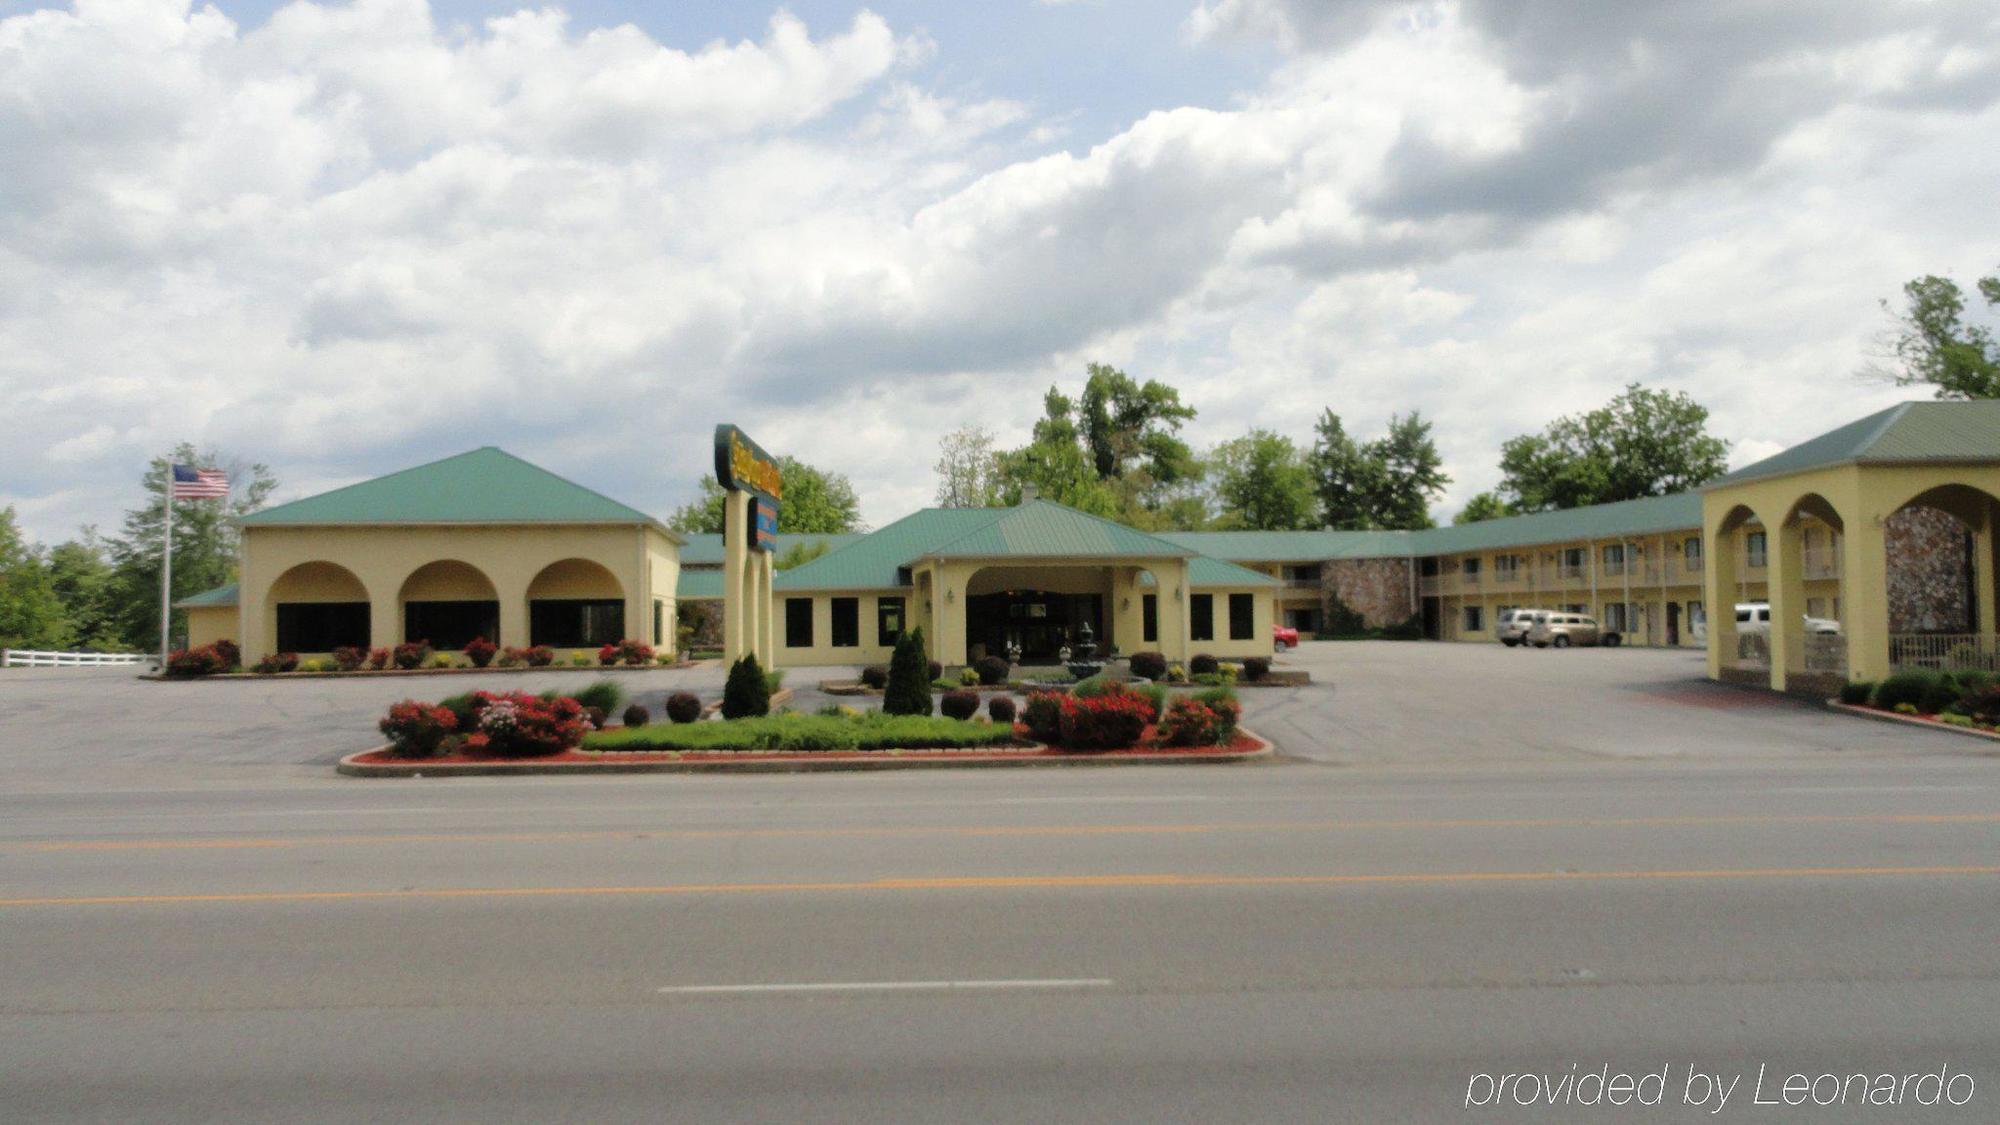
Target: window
{"points": [[322, 626], [1149, 613], [1815, 607], [450, 625], [1614, 555], [888, 620], [659, 622], [1617, 616], [1475, 619], [1697, 616], [1753, 547], [576, 622], [1201, 617], [1691, 552], [798, 622], [1472, 566], [1242, 617], [1304, 572], [846, 628], [1572, 561], [1506, 567]]}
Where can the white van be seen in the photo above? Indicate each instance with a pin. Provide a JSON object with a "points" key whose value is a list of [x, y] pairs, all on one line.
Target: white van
{"points": [[1755, 617], [1513, 625]]}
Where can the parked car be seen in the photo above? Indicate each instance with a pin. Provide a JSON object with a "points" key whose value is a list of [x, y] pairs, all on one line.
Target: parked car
{"points": [[1755, 617], [1284, 637], [1561, 630], [1513, 625]]}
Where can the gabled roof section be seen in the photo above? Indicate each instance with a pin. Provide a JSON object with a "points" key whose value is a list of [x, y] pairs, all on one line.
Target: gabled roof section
{"points": [[484, 486], [223, 597], [1645, 516], [1045, 529], [1908, 433], [871, 561], [1293, 546], [704, 548], [1205, 572]]}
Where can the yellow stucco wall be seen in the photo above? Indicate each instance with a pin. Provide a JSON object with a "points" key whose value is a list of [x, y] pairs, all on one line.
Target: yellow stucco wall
{"points": [[822, 651], [209, 624]]}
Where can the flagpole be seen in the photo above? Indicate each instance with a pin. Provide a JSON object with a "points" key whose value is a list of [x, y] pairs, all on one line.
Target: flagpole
{"points": [[167, 569]]}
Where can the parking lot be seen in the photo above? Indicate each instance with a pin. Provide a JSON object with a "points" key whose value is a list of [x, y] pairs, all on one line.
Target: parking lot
{"points": [[1376, 703]]}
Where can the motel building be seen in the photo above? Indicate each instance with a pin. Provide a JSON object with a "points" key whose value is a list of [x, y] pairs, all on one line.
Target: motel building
{"points": [[1869, 548]]}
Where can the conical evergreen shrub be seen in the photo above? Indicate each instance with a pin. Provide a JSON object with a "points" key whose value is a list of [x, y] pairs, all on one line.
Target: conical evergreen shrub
{"points": [[747, 693], [909, 689]]}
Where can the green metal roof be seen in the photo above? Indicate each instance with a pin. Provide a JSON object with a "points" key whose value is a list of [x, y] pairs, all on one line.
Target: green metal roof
{"points": [[871, 562], [486, 485], [1044, 528], [1645, 516], [1293, 546], [698, 584], [704, 548], [1204, 571], [1903, 434], [221, 596]]}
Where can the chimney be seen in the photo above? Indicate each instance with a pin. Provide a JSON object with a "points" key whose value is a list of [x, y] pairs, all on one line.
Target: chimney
{"points": [[1030, 493]]}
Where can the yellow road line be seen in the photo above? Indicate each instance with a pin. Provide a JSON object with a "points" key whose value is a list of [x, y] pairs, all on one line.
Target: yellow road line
{"points": [[1016, 882], [225, 843]]}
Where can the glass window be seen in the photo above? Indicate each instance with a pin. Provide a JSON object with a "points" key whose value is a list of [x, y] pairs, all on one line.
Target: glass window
{"points": [[659, 622], [1475, 620], [322, 626], [1754, 547], [888, 620], [1472, 565], [576, 622], [1614, 553], [1242, 617], [1201, 617], [451, 625], [798, 622], [846, 627], [1691, 552], [1149, 611], [1305, 572]]}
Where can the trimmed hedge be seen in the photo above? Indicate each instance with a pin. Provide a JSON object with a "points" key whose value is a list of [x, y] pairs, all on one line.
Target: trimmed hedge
{"points": [[637, 716], [875, 676], [683, 707], [1149, 665], [869, 731], [992, 670], [1001, 707], [909, 688], [1203, 665], [960, 705], [1857, 693]]}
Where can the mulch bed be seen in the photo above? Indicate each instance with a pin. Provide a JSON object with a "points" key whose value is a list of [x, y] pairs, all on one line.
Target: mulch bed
{"points": [[1929, 722]]}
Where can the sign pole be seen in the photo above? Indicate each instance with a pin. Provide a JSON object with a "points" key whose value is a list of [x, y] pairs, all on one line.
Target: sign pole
{"points": [[166, 567]]}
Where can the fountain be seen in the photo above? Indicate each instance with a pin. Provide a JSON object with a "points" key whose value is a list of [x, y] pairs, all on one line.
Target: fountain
{"points": [[1080, 658]]}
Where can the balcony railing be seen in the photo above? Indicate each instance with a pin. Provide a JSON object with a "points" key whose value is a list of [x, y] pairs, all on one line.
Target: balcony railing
{"points": [[1614, 568], [1753, 650], [1948, 652], [1820, 562], [1824, 652]]}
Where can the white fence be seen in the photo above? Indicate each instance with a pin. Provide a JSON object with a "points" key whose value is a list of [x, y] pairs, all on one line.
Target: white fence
{"points": [[29, 658]]}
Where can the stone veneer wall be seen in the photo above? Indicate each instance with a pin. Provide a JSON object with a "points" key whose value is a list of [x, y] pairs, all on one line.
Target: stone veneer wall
{"points": [[1377, 589], [1930, 563]]}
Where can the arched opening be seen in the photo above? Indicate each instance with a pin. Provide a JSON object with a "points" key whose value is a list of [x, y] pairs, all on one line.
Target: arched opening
{"points": [[1739, 552], [318, 607], [1940, 589], [575, 603], [1032, 613], [1813, 531], [448, 603]]}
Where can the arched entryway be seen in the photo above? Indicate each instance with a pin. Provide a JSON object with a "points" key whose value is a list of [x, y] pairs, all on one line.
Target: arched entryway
{"points": [[1811, 572], [316, 607], [1938, 549], [575, 603], [449, 603], [1037, 611], [1738, 561]]}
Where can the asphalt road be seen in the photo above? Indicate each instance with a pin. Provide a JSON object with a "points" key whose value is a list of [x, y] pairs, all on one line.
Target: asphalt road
{"points": [[1296, 942]]}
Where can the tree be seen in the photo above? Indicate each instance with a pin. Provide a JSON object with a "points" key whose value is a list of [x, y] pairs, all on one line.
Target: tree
{"points": [[1484, 506], [31, 615], [1055, 463], [1130, 428], [80, 572], [1263, 484], [799, 554], [1641, 443], [1929, 341], [909, 689], [968, 470], [815, 502], [205, 541], [746, 693], [1388, 483]]}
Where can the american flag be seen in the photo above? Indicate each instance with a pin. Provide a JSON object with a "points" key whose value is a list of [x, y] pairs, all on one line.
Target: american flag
{"points": [[191, 483]]}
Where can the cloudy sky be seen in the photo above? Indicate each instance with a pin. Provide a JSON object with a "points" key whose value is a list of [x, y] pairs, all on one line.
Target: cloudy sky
{"points": [[345, 238]]}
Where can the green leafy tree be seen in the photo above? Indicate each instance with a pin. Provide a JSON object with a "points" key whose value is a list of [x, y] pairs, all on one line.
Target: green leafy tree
{"points": [[746, 693], [1388, 483], [1132, 429], [205, 542], [1641, 443], [31, 614], [816, 502], [1484, 506], [1262, 483], [968, 470], [81, 572], [1929, 341], [908, 691], [799, 554], [1055, 463]]}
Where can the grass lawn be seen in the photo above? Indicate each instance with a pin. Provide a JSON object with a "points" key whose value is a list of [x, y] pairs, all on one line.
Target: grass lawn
{"points": [[869, 731]]}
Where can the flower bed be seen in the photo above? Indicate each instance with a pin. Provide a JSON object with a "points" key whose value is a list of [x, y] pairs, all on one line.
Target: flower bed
{"points": [[872, 731]]}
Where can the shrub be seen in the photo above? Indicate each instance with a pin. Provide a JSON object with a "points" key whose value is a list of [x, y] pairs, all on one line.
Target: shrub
{"points": [[1155, 697], [992, 670], [465, 707], [595, 716], [1190, 722], [1222, 701], [1956, 720], [1256, 668], [231, 656], [683, 707], [636, 716], [934, 670], [608, 655], [632, 653], [349, 658], [442, 660], [875, 676], [518, 725], [773, 680], [856, 731], [746, 693], [1982, 704], [480, 651], [1905, 709], [316, 666], [968, 677], [378, 658], [579, 660], [1104, 722], [187, 663], [1911, 687], [1203, 665], [1043, 715], [605, 695], [277, 662], [1856, 692], [959, 704], [417, 729], [411, 654], [908, 691], [1094, 686], [1001, 707], [1176, 674], [1149, 665]]}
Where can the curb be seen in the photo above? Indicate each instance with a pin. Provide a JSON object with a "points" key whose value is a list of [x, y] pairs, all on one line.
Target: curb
{"points": [[1909, 720], [815, 762]]}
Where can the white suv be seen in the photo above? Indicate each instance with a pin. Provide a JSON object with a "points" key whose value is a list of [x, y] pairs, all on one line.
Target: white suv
{"points": [[1513, 625]]}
